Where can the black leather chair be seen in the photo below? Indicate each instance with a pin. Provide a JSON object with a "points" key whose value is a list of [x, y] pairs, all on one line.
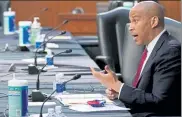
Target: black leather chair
{"points": [[174, 28], [114, 4], [111, 28], [130, 56]]}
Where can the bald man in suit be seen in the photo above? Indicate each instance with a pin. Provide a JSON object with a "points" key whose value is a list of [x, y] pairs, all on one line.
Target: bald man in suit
{"points": [[156, 88]]}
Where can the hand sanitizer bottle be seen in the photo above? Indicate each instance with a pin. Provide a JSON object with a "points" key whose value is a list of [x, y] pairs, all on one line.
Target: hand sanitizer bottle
{"points": [[35, 30]]}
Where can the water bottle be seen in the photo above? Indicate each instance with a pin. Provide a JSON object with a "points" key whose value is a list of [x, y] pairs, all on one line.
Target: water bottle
{"points": [[58, 111], [49, 58], [58, 83], [35, 30], [39, 41], [51, 112]]}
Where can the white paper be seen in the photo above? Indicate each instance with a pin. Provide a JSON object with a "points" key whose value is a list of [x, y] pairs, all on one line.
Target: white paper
{"points": [[72, 99], [50, 67], [52, 45], [40, 104], [39, 60], [38, 115], [60, 37], [88, 108]]}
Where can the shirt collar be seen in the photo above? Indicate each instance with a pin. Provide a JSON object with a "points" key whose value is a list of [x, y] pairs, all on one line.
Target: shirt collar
{"points": [[151, 45]]}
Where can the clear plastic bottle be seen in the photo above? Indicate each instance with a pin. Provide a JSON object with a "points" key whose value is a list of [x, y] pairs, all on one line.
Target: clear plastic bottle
{"points": [[51, 112], [49, 58], [58, 112], [39, 41], [58, 83], [35, 30]]}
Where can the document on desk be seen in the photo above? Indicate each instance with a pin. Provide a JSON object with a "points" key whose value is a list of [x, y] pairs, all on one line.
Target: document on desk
{"points": [[74, 99], [31, 60], [88, 108], [60, 37]]}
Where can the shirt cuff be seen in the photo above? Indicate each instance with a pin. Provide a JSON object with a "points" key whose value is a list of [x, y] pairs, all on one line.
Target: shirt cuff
{"points": [[120, 89]]}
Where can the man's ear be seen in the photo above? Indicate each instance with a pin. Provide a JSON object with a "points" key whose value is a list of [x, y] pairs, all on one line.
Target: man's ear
{"points": [[154, 21]]}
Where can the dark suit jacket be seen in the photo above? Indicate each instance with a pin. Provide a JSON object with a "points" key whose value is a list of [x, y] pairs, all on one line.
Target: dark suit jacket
{"points": [[159, 89]]}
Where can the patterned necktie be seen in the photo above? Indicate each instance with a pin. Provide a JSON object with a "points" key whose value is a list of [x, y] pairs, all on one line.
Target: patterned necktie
{"points": [[137, 76]]}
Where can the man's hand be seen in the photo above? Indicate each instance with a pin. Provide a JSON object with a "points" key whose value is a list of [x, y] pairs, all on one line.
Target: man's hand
{"points": [[110, 79], [111, 94]]}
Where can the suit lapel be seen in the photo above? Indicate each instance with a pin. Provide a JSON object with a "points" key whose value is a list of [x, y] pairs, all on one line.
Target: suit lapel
{"points": [[152, 55]]}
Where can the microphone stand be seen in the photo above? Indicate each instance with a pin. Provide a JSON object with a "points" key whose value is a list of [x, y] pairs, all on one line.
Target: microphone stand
{"points": [[35, 60], [37, 95], [33, 68], [77, 76], [44, 46]]}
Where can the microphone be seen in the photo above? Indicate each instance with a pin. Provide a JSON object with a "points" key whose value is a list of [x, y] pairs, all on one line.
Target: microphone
{"points": [[77, 76], [38, 82], [39, 12], [32, 69], [35, 57], [60, 25], [37, 96]]}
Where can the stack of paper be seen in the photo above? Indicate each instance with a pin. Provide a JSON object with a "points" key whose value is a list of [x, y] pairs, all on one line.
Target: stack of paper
{"points": [[72, 99], [40, 104], [88, 108]]}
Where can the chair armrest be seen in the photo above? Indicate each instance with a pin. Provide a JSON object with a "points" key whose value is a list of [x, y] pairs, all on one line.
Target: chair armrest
{"points": [[120, 77], [103, 59]]}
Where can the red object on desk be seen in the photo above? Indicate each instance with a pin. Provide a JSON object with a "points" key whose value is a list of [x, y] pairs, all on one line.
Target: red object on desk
{"points": [[96, 103]]}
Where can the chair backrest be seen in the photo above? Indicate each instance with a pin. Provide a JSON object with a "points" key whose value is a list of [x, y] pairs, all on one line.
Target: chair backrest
{"points": [[107, 24], [131, 54], [129, 57], [114, 4], [174, 28]]}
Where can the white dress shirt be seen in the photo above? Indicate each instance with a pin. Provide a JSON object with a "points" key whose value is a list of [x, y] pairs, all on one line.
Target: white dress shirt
{"points": [[149, 48]]}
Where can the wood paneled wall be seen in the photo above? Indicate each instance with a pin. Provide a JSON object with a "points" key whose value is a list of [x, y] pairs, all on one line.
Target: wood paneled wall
{"points": [[172, 8], [83, 24], [59, 11]]}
